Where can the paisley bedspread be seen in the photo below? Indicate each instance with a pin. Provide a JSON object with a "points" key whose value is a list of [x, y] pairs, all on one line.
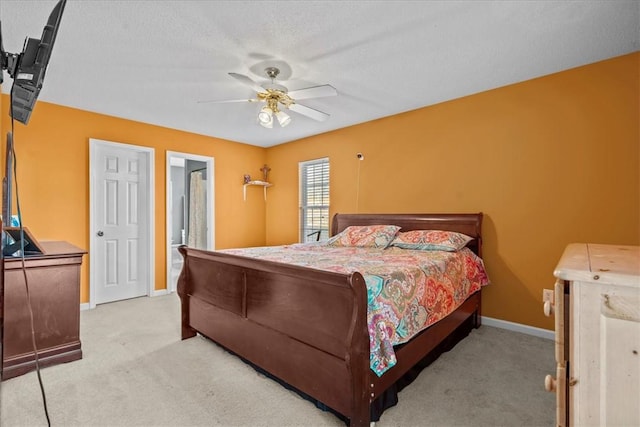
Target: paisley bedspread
{"points": [[408, 290]]}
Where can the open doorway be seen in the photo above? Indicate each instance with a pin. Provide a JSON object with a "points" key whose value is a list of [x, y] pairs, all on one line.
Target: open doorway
{"points": [[190, 202]]}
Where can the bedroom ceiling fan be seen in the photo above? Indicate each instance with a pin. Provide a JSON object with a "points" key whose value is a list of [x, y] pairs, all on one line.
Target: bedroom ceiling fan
{"points": [[277, 97]]}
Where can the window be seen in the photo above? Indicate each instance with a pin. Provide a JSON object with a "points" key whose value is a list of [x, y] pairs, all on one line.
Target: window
{"points": [[314, 200]]}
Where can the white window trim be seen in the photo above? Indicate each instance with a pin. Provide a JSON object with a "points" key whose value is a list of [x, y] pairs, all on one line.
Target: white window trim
{"points": [[301, 206]]}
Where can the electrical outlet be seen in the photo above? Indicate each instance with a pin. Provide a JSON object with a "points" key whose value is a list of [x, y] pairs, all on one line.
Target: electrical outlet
{"points": [[547, 295]]}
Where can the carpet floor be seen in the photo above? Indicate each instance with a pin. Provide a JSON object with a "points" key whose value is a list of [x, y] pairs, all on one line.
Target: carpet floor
{"points": [[136, 371]]}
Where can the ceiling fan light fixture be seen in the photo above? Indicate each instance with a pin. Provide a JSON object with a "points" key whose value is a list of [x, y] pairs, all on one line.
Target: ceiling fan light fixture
{"points": [[275, 95], [265, 117], [283, 118]]}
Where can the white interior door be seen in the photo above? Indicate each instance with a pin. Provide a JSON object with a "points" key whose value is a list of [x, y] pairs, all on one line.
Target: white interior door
{"points": [[121, 201]]}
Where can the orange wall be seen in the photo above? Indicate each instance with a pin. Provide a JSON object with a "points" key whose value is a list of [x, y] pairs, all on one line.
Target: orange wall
{"points": [[53, 176], [549, 161]]}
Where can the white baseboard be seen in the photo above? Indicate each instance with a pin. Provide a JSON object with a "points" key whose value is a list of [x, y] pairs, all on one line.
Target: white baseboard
{"points": [[489, 321], [159, 293], [519, 327], [87, 306]]}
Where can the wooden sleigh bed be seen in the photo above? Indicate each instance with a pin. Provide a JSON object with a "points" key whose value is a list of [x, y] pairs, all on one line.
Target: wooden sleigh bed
{"points": [[308, 327]]}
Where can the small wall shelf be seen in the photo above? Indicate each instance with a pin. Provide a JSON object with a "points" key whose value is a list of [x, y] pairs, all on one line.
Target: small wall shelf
{"points": [[262, 184]]}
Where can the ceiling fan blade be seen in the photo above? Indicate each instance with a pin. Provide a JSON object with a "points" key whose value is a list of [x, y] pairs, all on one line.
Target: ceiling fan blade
{"points": [[228, 100], [309, 112], [247, 81], [313, 92]]}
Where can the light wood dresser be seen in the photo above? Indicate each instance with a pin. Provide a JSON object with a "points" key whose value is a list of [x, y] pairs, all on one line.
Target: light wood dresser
{"points": [[597, 325]]}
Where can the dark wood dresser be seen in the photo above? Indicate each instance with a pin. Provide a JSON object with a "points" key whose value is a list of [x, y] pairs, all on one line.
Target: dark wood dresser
{"points": [[54, 287]]}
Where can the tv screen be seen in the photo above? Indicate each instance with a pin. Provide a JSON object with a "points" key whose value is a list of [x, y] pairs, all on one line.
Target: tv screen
{"points": [[7, 181], [3, 57], [28, 68]]}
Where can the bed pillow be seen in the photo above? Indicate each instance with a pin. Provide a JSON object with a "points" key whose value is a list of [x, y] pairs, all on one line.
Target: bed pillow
{"points": [[365, 236], [431, 240]]}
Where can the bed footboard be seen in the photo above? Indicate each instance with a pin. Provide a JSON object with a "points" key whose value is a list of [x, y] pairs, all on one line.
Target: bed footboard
{"points": [[304, 326]]}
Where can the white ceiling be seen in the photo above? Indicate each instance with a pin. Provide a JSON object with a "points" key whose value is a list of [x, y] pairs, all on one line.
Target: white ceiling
{"points": [[152, 61]]}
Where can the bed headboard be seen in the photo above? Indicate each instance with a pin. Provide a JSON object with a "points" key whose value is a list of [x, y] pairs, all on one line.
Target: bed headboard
{"points": [[469, 224]]}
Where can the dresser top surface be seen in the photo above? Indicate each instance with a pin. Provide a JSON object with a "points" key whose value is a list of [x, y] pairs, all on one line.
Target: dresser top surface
{"points": [[615, 264], [51, 249]]}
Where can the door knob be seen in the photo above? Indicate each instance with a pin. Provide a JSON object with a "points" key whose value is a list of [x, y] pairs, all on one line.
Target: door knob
{"points": [[100, 233]]}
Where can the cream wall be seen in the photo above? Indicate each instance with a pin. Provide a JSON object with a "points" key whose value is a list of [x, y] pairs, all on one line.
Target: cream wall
{"points": [[53, 176], [549, 161]]}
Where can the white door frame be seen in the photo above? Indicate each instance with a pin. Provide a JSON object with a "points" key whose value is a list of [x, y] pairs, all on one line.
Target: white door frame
{"points": [[209, 161], [149, 218]]}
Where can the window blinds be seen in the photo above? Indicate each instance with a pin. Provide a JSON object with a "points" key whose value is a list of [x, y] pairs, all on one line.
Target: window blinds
{"points": [[314, 200]]}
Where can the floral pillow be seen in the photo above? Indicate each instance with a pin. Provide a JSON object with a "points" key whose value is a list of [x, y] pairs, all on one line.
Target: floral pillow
{"points": [[366, 236], [431, 240]]}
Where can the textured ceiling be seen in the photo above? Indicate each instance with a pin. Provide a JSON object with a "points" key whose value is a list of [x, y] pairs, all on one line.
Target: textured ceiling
{"points": [[152, 61]]}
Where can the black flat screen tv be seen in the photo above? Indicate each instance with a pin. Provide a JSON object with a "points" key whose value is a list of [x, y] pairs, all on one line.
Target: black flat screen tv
{"points": [[7, 181], [28, 67]]}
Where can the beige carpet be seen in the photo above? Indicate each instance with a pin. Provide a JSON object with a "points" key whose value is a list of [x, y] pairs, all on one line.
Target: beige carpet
{"points": [[137, 372]]}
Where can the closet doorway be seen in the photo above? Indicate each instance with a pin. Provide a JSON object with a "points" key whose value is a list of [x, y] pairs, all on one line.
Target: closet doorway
{"points": [[190, 208]]}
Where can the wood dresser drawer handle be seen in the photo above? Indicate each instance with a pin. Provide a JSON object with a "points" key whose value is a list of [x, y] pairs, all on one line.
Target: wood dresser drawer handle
{"points": [[549, 383], [549, 308]]}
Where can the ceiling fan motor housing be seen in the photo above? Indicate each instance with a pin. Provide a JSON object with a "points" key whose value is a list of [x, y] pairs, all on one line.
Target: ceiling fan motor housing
{"points": [[276, 96]]}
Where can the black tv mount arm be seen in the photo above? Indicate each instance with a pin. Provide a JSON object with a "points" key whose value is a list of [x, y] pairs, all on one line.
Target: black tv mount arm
{"points": [[8, 61], [11, 60]]}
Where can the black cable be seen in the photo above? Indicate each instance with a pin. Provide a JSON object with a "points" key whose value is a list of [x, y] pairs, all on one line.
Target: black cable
{"points": [[24, 269]]}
